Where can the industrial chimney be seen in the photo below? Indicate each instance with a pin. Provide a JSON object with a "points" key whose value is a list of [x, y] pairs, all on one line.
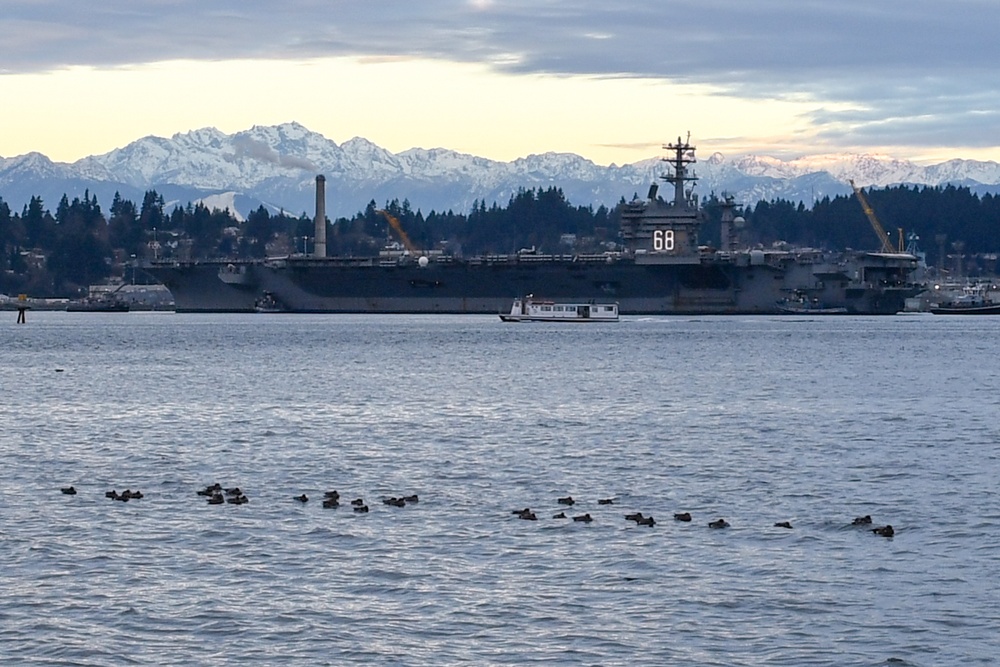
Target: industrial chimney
{"points": [[319, 246]]}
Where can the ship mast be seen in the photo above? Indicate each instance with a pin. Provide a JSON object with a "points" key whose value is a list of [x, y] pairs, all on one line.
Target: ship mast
{"points": [[683, 155]]}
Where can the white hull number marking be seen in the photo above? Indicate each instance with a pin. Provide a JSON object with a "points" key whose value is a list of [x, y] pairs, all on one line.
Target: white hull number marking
{"points": [[663, 239]]}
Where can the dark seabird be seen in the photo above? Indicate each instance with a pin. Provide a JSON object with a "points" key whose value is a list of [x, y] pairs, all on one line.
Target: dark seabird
{"points": [[331, 502], [783, 524], [718, 523], [411, 499], [217, 499], [332, 494], [237, 500], [68, 490], [395, 502], [606, 501], [634, 517], [361, 508], [527, 515], [683, 516], [585, 518], [358, 502], [561, 515], [302, 499], [865, 520], [645, 521], [884, 531], [568, 500], [235, 491], [111, 494]]}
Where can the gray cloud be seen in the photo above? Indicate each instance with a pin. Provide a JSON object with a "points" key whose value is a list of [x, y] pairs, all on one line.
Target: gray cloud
{"points": [[251, 148], [918, 71]]}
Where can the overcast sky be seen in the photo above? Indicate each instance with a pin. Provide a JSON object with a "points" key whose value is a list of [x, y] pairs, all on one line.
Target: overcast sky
{"points": [[506, 78]]}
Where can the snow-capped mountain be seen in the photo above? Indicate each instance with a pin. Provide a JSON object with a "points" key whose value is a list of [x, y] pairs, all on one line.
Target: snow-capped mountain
{"points": [[275, 166]]}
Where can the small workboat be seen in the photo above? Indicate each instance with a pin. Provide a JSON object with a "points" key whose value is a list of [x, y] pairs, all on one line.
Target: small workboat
{"points": [[531, 309]]}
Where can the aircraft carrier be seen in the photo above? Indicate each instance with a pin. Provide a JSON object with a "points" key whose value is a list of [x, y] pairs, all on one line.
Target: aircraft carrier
{"points": [[661, 270]]}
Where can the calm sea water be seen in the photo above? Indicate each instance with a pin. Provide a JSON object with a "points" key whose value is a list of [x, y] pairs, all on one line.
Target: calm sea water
{"points": [[755, 420]]}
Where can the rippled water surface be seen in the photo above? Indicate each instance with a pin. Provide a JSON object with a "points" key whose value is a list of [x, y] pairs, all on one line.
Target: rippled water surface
{"points": [[756, 420]]}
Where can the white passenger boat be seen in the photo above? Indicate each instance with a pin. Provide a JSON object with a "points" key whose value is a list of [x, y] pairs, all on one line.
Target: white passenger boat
{"points": [[530, 309]]}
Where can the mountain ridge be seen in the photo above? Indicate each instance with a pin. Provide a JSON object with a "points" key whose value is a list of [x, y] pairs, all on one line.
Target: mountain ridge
{"points": [[276, 165]]}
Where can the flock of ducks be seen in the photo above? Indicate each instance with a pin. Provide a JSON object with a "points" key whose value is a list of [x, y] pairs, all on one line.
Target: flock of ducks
{"points": [[219, 495], [124, 496], [528, 515]]}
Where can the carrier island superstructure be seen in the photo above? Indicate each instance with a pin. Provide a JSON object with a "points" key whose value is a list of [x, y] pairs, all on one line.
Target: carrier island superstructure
{"points": [[660, 270]]}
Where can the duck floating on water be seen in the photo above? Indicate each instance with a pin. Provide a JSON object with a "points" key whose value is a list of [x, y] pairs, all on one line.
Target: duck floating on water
{"points": [[682, 516], [884, 531], [718, 523], [568, 500], [210, 490], [68, 490], [585, 518]]}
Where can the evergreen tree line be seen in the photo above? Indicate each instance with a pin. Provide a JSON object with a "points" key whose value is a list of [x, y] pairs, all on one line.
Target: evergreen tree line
{"points": [[59, 254]]}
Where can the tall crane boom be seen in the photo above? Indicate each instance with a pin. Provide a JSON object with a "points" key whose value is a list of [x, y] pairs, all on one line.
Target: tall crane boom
{"points": [[398, 228], [876, 225]]}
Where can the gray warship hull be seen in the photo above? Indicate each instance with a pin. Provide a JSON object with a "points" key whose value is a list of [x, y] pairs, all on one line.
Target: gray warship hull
{"points": [[861, 283]]}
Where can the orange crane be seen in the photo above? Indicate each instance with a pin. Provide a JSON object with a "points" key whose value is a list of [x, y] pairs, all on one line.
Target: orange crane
{"points": [[876, 225], [398, 228]]}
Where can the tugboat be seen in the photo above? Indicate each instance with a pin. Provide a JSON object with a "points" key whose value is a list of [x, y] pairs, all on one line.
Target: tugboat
{"points": [[974, 300], [801, 304], [531, 309], [99, 302], [98, 306]]}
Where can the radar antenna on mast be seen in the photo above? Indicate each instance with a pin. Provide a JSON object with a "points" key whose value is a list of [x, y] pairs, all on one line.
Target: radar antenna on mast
{"points": [[683, 155]]}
